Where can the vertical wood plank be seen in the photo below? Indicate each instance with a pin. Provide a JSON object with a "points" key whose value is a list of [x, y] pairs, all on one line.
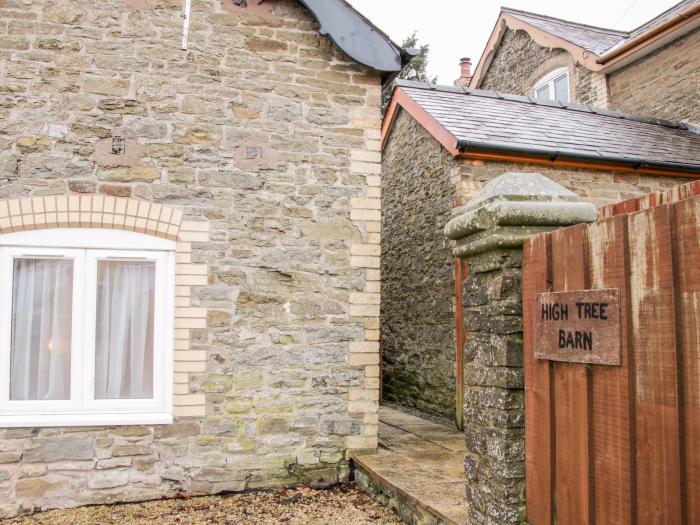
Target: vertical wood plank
{"points": [[692, 189], [687, 249], [572, 391], [611, 404], [626, 207], [645, 202], [539, 438], [654, 343]]}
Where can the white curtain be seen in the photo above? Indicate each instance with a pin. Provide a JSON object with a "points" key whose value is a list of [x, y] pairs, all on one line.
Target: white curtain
{"points": [[124, 336], [42, 298]]}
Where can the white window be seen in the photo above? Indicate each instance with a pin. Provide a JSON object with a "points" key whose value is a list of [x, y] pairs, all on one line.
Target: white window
{"points": [[554, 86], [86, 328]]}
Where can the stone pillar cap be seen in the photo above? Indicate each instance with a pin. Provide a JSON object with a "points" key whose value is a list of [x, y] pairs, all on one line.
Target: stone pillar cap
{"points": [[520, 199]]}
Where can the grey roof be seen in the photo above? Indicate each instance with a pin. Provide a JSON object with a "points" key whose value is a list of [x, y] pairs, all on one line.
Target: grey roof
{"points": [[488, 121], [359, 38], [594, 39], [597, 40], [669, 13]]}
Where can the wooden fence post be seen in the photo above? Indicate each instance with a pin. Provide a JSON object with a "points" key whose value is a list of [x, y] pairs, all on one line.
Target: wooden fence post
{"points": [[489, 233]]}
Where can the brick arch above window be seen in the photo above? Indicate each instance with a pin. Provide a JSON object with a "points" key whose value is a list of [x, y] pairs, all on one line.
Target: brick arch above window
{"points": [[563, 60], [90, 211]]}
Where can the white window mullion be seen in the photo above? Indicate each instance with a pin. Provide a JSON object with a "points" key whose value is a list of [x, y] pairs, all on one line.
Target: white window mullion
{"points": [[77, 360], [87, 308]]}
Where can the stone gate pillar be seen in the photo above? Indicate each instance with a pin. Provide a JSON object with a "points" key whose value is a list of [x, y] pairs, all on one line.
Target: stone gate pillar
{"points": [[489, 232]]}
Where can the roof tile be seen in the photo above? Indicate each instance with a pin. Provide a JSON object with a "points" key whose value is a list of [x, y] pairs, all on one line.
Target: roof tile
{"points": [[594, 39], [480, 117], [597, 40]]}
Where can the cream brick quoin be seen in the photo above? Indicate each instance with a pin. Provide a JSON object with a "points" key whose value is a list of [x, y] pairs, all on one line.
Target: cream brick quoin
{"points": [[366, 213], [97, 211]]}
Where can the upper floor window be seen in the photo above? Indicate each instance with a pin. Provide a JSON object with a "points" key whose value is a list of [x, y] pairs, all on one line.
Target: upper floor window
{"points": [[85, 328], [554, 86]]}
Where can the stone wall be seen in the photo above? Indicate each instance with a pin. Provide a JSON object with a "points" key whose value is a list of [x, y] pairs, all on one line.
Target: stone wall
{"points": [[589, 87], [520, 62], [516, 61], [494, 382], [596, 186], [417, 317], [664, 84], [266, 138]]}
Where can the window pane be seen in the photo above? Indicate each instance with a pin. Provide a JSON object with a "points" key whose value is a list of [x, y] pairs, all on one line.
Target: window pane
{"points": [[124, 332], [561, 89], [543, 92], [42, 308]]}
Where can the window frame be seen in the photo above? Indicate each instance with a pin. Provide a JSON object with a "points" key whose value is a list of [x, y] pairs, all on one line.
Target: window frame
{"points": [[548, 81], [87, 246], [7, 256]]}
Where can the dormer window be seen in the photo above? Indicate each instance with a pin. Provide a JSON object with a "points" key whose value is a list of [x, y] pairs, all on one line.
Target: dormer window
{"points": [[554, 86]]}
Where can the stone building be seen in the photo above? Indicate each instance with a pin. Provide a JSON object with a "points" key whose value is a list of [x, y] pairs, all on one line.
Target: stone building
{"points": [[189, 246], [653, 70], [441, 145]]}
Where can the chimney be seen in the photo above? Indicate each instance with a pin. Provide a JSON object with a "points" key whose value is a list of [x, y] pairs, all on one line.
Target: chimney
{"points": [[465, 65]]}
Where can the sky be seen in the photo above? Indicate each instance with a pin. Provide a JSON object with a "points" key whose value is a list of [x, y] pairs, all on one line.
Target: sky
{"points": [[460, 28]]}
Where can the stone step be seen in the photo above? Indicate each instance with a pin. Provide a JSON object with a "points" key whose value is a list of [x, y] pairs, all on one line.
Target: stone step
{"points": [[418, 470]]}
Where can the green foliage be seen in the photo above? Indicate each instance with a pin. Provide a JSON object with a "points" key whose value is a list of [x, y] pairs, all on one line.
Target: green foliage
{"points": [[417, 69]]}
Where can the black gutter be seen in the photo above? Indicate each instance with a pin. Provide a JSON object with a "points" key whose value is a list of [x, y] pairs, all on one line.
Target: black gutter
{"points": [[467, 146]]}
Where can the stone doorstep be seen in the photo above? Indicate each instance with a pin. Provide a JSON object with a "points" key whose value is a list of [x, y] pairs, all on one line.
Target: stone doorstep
{"points": [[418, 470], [406, 503]]}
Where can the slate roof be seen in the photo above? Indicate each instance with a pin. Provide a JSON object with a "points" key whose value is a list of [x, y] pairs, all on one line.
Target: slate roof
{"points": [[669, 13], [597, 40], [594, 39], [488, 121]]}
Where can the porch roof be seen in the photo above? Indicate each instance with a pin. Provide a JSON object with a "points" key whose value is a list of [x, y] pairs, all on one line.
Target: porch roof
{"points": [[468, 121]]}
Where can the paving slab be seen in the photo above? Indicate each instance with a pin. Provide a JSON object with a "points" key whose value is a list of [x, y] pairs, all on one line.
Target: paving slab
{"points": [[418, 469]]}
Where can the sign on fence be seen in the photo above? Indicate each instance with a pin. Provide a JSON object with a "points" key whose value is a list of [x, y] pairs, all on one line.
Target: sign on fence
{"points": [[578, 327]]}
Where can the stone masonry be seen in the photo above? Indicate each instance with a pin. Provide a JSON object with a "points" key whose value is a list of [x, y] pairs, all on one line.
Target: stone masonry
{"points": [[596, 186], [664, 84], [489, 234], [418, 273], [421, 186], [520, 62], [265, 139], [513, 67]]}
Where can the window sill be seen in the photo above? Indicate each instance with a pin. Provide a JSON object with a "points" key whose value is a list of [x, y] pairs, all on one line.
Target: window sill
{"points": [[84, 420]]}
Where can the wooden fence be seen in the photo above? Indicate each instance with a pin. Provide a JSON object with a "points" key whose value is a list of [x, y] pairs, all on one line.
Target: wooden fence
{"points": [[620, 444]]}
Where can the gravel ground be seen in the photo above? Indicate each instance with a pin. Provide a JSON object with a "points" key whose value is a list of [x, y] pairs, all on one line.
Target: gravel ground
{"points": [[341, 505]]}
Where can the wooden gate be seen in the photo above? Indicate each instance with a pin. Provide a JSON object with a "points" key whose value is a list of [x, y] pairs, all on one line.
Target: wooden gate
{"points": [[620, 444]]}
